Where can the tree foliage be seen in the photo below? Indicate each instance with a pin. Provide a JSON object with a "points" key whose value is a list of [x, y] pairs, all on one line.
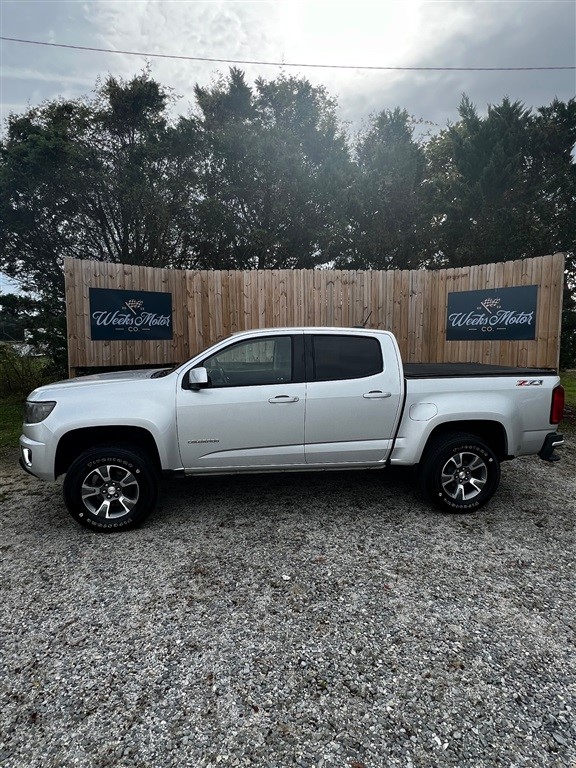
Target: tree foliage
{"points": [[274, 158], [108, 179], [503, 187], [384, 210], [16, 314], [266, 176]]}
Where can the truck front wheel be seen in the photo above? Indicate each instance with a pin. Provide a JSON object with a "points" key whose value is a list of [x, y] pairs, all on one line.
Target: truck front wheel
{"points": [[111, 488], [460, 473]]}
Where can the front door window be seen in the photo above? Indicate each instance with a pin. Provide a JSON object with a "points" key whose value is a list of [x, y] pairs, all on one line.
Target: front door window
{"points": [[252, 363]]}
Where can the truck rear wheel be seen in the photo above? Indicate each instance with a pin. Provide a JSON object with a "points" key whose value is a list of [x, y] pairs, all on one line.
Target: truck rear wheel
{"points": [[111, 488], [460, 473]]}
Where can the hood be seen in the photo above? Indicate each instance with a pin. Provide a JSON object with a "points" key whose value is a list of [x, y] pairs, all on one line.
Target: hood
{"points": [[49, 390]]}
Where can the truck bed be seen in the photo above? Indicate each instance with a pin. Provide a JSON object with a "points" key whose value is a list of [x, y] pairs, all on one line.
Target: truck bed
{"points": [[476, 370]]}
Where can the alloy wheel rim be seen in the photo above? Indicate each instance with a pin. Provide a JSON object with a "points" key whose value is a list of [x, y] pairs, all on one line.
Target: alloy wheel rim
{"points": [[110, 491], [464, 476]]}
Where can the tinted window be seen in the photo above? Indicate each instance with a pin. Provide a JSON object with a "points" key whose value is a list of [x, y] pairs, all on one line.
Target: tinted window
{"points": [[345, 357], [257, 361]]}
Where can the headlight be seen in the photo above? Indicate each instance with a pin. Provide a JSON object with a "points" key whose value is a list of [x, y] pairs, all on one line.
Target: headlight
{"points": [[38, 411]]}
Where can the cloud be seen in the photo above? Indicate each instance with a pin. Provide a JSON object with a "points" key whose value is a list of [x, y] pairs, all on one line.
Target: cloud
{"points": [[214, 29], [408, 33], [27, 73], [479, 35]]}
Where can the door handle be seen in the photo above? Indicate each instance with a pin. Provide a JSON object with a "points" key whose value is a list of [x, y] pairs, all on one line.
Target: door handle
{"points": [[376, 395], [283, 399]]}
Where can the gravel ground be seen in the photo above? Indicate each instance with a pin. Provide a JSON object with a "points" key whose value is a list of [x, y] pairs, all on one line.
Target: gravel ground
{"points": [[292, 620]]}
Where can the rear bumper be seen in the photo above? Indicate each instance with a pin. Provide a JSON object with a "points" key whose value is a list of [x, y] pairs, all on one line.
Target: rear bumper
{"points": [[552, 441]]}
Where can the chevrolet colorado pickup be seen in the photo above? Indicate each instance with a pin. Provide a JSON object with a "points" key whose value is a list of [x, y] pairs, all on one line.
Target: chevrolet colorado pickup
{"points": [[284, 399]]}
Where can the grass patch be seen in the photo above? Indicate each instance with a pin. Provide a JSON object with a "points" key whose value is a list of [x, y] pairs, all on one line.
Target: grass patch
{"points": [[20, 373], [568, 379], [569, 383], [11, 413]]}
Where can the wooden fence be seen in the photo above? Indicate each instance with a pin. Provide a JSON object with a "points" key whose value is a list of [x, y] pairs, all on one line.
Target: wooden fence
{"points": [[209, 305]]}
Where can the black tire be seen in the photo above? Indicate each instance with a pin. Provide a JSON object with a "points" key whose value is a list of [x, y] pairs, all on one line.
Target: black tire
{"points": [[111, 488], [459, 472]]}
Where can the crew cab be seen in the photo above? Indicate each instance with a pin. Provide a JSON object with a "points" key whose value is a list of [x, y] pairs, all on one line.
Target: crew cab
{"points": [[287, 399]]}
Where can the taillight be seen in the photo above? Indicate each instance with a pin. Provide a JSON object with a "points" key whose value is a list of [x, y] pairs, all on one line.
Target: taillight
{"points": [[557, 409]]}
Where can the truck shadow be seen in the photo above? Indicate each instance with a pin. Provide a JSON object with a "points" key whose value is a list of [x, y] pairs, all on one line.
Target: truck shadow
{"points": [[267, 495]]}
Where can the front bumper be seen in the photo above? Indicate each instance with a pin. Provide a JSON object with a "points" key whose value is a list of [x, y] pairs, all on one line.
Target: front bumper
{"points": [[24, 467], [36, 458], [552, 441]]}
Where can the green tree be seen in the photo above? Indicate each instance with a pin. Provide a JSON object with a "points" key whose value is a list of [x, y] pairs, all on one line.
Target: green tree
{"points": [[274, 167], [108, 179], [384, 206], [17, 315], [503, 186]]}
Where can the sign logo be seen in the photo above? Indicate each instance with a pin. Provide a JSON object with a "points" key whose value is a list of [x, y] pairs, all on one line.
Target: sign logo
{"points": [[130, 315], [501, 314], [490, 304]]}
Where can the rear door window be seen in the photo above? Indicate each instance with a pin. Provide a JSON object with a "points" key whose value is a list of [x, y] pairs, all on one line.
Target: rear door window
{"points": [[345, 357]]}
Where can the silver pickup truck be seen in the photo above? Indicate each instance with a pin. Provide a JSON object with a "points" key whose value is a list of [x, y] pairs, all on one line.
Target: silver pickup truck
{"points": [[287, 399]]}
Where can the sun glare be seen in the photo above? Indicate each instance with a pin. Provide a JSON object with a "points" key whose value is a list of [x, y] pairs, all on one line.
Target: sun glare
{"points": [[337, 32]]}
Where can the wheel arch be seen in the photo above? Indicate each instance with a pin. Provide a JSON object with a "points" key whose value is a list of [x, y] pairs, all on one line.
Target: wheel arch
{"points": [[492, 433], [75, 442]]}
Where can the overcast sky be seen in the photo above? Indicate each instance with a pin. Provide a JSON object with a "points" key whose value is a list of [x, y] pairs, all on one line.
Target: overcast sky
{"points": [[459, 33], [451, 33]]}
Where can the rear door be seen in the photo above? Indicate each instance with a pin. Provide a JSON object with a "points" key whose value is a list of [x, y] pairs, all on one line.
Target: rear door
{"points": [[354, 395]]}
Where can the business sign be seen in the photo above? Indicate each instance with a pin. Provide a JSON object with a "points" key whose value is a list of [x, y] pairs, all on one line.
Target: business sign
{"points": [[130, 315], [492, 315]]}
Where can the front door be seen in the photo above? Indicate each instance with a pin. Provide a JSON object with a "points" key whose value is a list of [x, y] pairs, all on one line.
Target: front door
{"points": [[252, 413]]}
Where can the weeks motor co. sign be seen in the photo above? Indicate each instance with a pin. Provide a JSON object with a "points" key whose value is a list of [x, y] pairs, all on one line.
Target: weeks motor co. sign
{"points": [[500, 314], [130, 315]]}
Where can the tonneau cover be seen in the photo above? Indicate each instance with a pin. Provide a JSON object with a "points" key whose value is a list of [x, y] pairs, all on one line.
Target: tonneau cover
{"points": [[461, 370]]}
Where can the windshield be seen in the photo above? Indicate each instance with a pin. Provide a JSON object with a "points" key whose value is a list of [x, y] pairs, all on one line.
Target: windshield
{"points": [[163, 372]]}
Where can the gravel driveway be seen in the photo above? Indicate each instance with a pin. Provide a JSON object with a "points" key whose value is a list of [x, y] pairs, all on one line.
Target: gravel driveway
{"points": [[292, 620]]}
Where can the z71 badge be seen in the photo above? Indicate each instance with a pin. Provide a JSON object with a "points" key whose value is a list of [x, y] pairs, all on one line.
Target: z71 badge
{"points": [[529, 382]]}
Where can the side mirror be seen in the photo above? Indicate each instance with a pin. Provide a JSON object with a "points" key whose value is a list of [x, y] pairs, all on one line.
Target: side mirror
{"points": [[197, 378]]}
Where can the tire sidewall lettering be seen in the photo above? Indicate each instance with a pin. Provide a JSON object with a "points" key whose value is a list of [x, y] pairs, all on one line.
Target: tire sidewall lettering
{"points": [[107, 460], [448, 501]]}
